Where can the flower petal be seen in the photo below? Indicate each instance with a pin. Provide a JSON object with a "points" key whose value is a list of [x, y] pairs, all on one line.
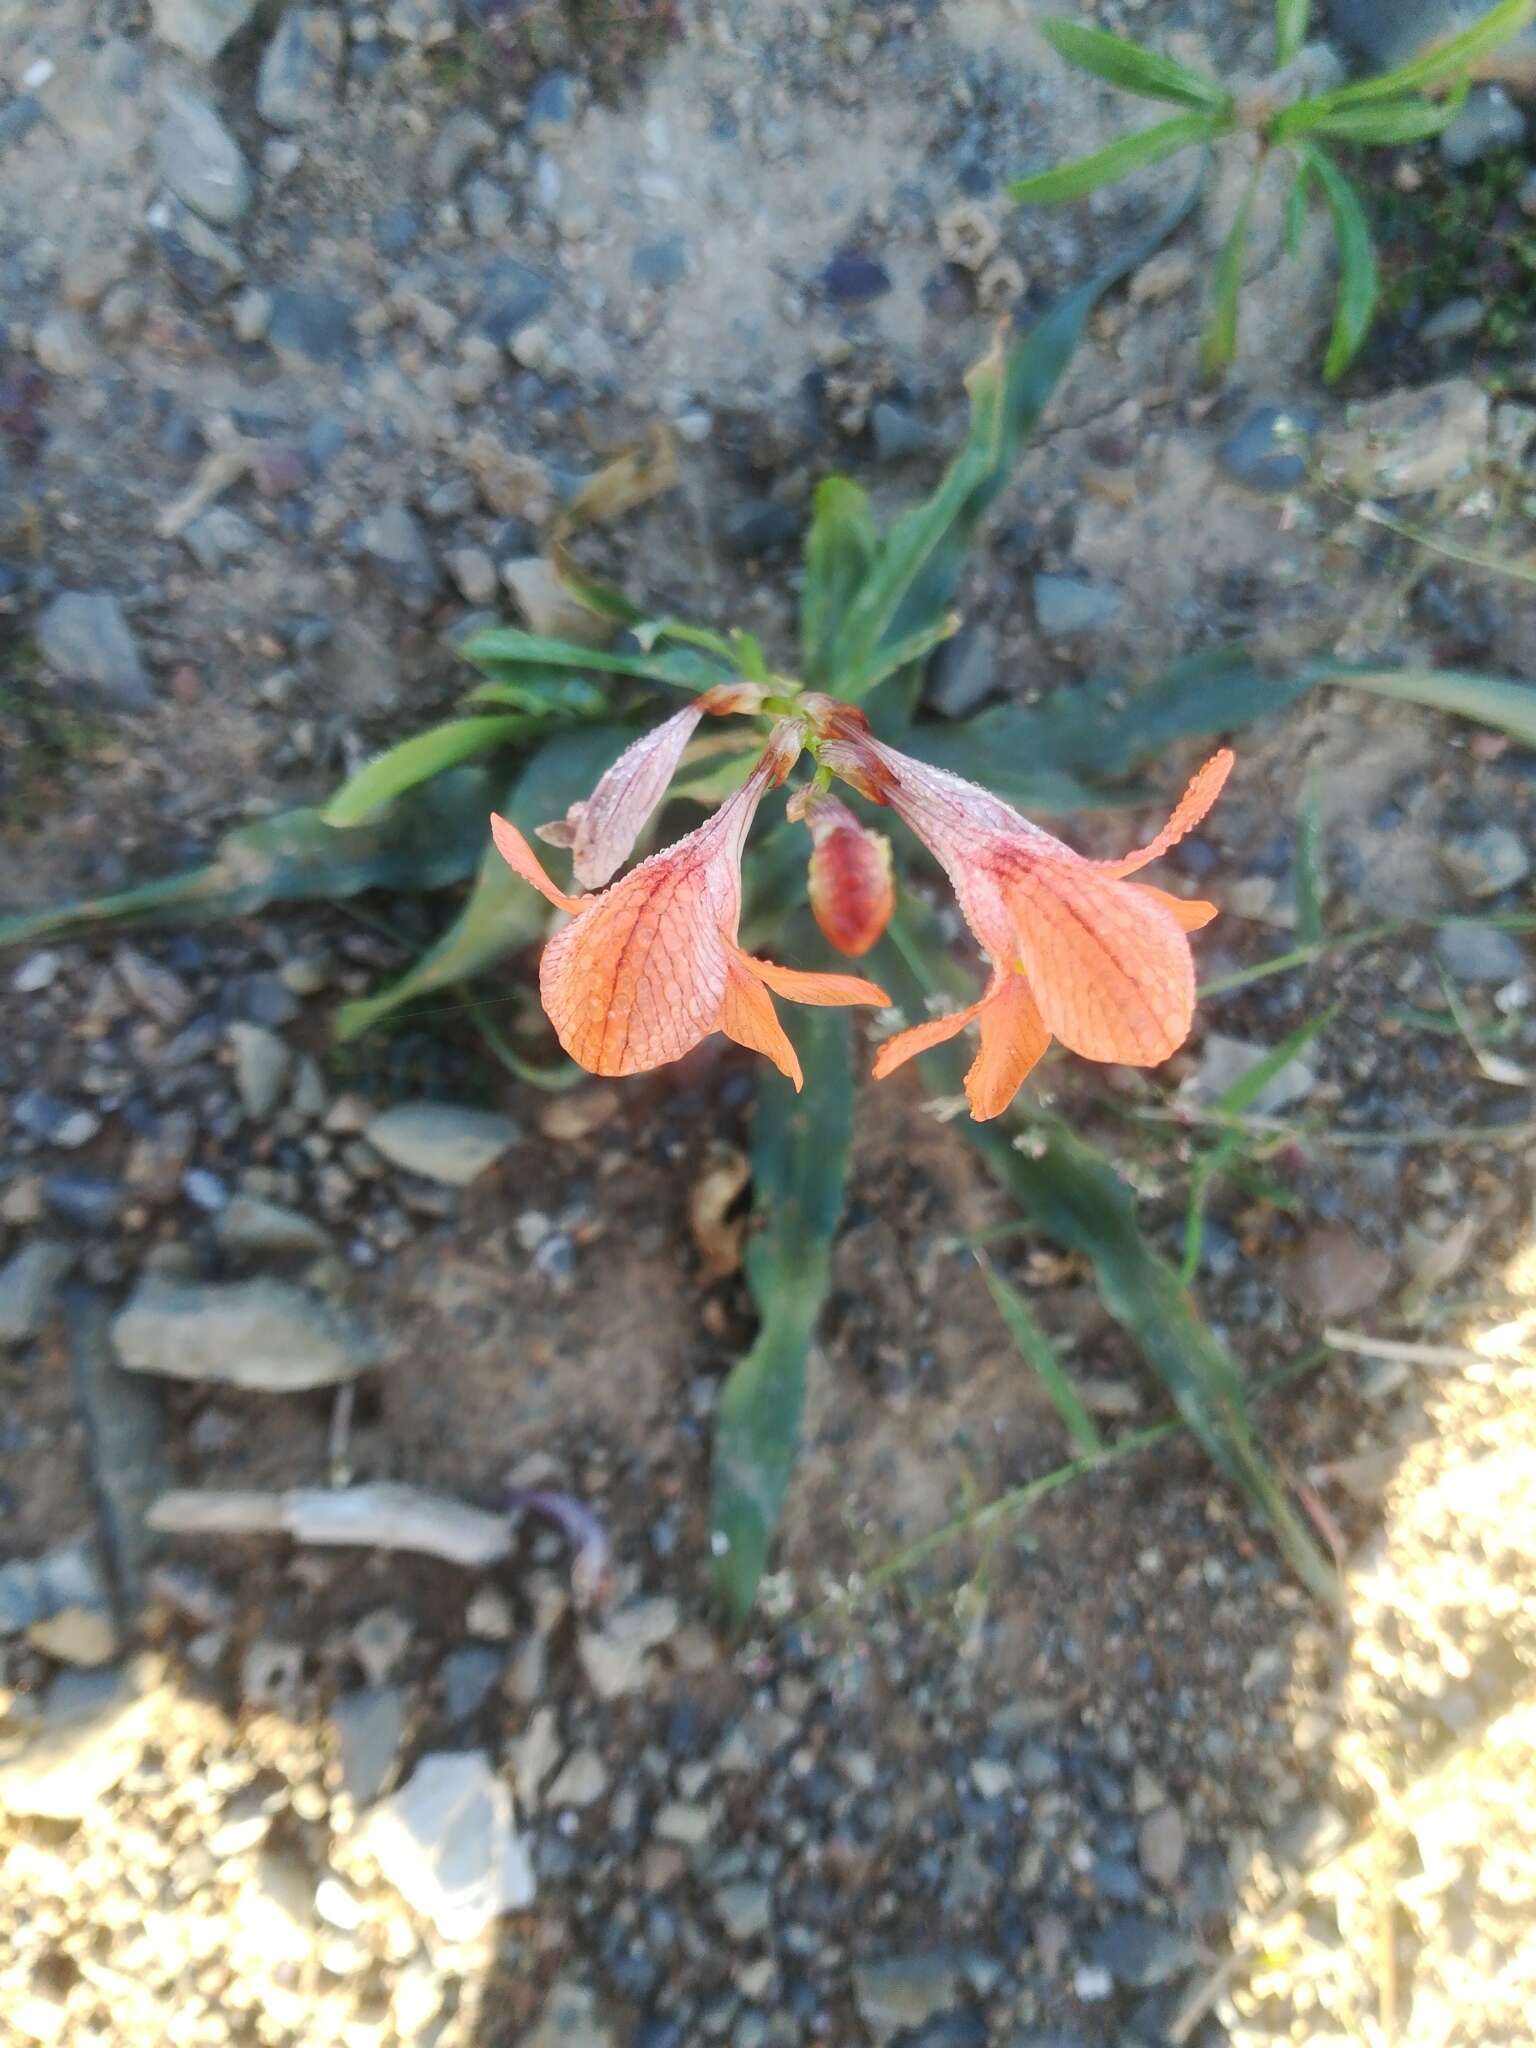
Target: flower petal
{"points": [[521, 858], [1109, 964], [1191, 914], [823, 991], [906, 1045], [1013, 1037], [1192, 806], [603, 829], [748, 1016]]}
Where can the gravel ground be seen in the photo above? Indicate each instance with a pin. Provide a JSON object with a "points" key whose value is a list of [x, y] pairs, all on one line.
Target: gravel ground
{"points": [[305, 338]]}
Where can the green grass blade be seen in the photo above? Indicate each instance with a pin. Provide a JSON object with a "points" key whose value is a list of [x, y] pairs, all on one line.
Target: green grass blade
{"points": [[555, 694], [389, 775], [799, 1166], [501, 915], [1292, 20], [1247, 1088], [1039, 1354], [505, 650], [1383, 125], [1220, 344], [428, 840], [1454, 57], [1296, 208], [1070, 1190], [1131, 68], [716, 645], [1490, 700], [1359, 282], [1131, 153], [1309, 867], [840, 551]]}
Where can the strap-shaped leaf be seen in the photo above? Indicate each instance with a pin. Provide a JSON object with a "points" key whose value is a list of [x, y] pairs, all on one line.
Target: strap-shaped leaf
{"points": [[1220, 344], [1359, 281], [840, 552], [1132, 68], [504, 651], [389, 775], [1131, 153], [432, 837], [1039, 1354], [1449, 59], [1380, 123], [799, 1166], [1296, 207], [1292, 20]]}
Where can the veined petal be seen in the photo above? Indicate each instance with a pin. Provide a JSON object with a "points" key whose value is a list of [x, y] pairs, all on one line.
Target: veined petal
{"points": [[1204, 788], [822, 991], [1013, 1037], [521, 858], [1108, 962], [1190, 913], [602, 829], [906, 1045], [748, 1017]]}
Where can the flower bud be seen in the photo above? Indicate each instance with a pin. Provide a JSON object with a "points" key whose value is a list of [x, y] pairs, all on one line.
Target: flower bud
{"points": [[851, 888]]}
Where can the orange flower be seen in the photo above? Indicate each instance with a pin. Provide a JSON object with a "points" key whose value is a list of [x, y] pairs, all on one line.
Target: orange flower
{"points": [[647, 969], [851, 888], [1077, 952]]}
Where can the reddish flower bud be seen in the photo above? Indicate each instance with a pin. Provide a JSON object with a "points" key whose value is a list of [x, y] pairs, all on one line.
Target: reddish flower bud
{"points": [[852, 893]]}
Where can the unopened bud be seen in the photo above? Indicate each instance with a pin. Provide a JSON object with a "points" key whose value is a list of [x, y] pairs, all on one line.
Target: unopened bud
{"points": [[851, 887]]}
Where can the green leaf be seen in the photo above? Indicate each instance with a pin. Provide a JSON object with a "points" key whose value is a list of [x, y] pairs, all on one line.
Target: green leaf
{"points": [[1384, 125], [1490, 700], [1292, 20], [1296, 208], [1102, 731], [1309, 876], [555, 694], [716, 645], [1220, 344], [1131, 153], [1358, 281], [840, 551], [389, 775], [1131, 68], [799, 1165], [501, 915], [1039, 1354], [432, 837], [1069, 1190], [1456, 55], [500, 649]]}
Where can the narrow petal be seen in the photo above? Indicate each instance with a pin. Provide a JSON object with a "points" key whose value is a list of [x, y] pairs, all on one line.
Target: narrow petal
{"points": [[1191, 914], [1192, 806], [824, 991], [1012, 1039], [521, 858], [748, 1016], [1108, 962], [906, 1045], [603, 829]]}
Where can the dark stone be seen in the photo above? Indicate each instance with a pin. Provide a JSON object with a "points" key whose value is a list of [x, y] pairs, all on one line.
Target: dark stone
{"points": [[311, 323], [551, 104], [1268, 450], [91, 1201], [368, 1726], [397, 230], [125, 1444], [950, 2030], [962, 673], [201, 277], [1117, 1880], [265, 999], [1140, 1952], [660, 2034], [898, 433], [19, 118], [853, 279], [760, 526], [512, 294], [660, 263], [46, 1117]]}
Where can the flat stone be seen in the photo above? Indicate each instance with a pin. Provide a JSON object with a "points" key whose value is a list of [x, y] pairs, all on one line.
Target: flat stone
{"points": [[1476, 953], [262, 1067], [464, 136], [219, 538], [903, 1992], [898, 433], [1160, 1845], [84, 637], [1269, 449], [745, 1910], [1141, 1952], [448, 1844], [551, 105], [250, 1224], [962, 673], [660, 263], [201, 28], [91, 1201], [1488, 861], [1487, 125], [54, 1121], [367, 1728], [760, 526], [200, 160], [296, 85], [1457, 321], [1225, 1061], [1333, 1274], [475, 574], [1065, 605], [1410, 441], [469, 1675], [94, 1728], [249, 1333], [82, 1636], [63, 344], [441, 1141], [582, 1781], [29, 1284], [392, 538], [313, 324]]}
